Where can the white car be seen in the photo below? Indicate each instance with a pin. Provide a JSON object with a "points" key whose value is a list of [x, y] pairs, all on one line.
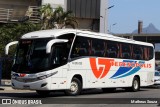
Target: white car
{"points": [[157, 77]]}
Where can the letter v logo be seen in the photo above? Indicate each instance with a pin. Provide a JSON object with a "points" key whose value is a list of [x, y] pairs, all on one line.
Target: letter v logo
{"points": [[102, 68]]}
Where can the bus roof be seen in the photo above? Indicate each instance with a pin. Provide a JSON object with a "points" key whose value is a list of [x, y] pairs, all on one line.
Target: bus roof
{"points": [[54, 33], [47, 33]]}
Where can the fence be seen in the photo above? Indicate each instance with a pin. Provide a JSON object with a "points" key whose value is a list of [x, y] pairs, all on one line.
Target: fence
{"points": [[5, 14], [14, 15]]}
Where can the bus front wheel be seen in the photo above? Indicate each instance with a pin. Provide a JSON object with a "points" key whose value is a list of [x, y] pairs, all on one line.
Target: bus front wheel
{"points": [[75, 87]]}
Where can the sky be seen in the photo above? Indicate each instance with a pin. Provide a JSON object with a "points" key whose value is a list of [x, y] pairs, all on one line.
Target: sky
{"points": [[124, 16]]}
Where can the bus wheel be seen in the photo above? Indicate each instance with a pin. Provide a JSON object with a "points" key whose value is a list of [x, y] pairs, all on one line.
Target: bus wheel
{"points": [[75, 88], [135, 85], [43, 92]]}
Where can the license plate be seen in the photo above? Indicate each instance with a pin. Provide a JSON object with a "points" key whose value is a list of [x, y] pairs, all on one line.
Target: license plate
{"points": [[26, 87]]}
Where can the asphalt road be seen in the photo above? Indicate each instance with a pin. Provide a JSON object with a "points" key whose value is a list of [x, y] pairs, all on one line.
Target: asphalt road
{"points": [[93, 98]]}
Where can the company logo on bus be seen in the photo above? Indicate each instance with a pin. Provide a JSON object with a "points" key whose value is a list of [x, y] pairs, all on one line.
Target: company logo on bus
{"points": [[100, 67]]}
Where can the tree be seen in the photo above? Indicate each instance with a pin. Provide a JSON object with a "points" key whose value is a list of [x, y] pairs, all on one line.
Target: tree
{"points": [[11, 32], [46, 13], [8, 33], [61, 19], [56, 19]]}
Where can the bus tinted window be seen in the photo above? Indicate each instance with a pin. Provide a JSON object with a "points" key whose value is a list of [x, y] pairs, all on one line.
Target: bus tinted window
{"points": [[148, 53], [85, 46], [69, 37], [126, 51], [67, 45], [80, 47], [112, 49], [98, 47], [137, 52], [151, 51]]}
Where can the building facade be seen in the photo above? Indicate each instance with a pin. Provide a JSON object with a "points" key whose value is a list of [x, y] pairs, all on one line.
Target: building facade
{"points": [[90, 14], [14, 10]]}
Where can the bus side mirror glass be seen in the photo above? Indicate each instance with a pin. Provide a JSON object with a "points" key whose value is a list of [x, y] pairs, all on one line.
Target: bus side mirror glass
{"points": [[8, 45], [51, 42]]}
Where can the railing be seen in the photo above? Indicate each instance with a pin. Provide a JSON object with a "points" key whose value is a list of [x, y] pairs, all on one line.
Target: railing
{"points": [[5, 14], [34, 15]]}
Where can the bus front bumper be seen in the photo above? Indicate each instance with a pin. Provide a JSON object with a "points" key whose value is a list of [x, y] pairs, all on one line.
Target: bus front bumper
{"points": [[36, 85]]}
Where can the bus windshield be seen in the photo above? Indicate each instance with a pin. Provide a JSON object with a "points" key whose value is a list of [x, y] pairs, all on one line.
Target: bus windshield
{"points": [[31, 56]]}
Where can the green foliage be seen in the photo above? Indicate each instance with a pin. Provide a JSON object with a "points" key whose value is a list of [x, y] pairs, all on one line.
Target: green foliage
{"points": [[9, 33], [12, 32], [62, 19], [46, 13], [56, 19]]}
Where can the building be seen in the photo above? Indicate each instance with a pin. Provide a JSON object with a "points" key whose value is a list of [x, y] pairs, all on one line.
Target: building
{"points": [[12, 11], [90, 14]]}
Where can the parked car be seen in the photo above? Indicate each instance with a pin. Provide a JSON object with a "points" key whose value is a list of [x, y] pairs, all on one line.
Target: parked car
{"points": [[157, 77]]}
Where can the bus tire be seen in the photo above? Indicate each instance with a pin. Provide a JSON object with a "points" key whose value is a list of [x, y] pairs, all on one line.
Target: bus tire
{"points": [[135, 85], [75, 88], [43, 92]]}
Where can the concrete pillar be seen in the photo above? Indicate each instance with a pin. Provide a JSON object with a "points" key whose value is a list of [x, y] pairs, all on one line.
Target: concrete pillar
{"points": [[103, 16]]}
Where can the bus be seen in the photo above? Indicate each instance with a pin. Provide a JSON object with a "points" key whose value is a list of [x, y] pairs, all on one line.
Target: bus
{"points": [[72, 60]]}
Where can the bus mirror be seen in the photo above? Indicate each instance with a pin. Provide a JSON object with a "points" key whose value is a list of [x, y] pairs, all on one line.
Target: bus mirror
{"points": [[8, 45], [51, 42]]}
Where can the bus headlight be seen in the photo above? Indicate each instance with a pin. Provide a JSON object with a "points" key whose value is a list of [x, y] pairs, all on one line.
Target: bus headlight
{"points": [[42, 77], [46, 76]]}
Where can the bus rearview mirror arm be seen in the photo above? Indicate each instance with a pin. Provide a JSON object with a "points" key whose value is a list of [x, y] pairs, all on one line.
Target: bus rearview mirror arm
{"points": [[8, 45], [51, 42]]}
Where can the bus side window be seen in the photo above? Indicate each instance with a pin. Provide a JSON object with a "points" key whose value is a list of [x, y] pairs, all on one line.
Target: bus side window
{"points": [[150, 54], [112, 50], [137, 52], [126, 51], [105, 54], [98, 47], [146, 53], [80, 47]]}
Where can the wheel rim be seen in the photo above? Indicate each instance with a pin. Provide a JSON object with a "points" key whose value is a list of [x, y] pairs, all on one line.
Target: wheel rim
{"points": [[74, 87], [135, 84]]}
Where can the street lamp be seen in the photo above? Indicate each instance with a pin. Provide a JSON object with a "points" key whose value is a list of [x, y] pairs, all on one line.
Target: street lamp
{"points": [[110, 6], [112, 26], [104, 16]]}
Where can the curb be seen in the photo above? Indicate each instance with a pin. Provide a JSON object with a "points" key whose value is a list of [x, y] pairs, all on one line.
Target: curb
{"points": [[2, 88], [5, 85], [5, 82]]}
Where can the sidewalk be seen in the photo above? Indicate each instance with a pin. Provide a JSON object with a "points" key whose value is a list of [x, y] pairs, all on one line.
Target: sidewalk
{"points": [[5, 85]]}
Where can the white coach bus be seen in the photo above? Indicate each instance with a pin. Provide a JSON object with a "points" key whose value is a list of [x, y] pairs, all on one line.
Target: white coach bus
{"points": [[72, 60]]}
